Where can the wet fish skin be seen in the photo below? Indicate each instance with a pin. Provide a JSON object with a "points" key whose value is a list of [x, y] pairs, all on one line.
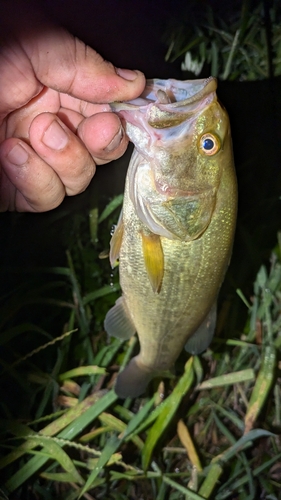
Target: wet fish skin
{"points": [[186, 199]]}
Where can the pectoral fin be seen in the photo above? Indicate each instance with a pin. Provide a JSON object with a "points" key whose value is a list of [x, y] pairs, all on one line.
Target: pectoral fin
{"points": [[153, 259], [118, 322], [116, 240], [202, 338]]}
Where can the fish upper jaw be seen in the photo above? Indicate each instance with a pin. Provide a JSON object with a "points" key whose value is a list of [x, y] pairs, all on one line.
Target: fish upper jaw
{"points": [[180, 94]]}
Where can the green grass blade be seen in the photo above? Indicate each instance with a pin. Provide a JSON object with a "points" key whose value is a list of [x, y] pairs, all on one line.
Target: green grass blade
{"points": [[63, 477], [211, 480], [138, 419], [224, 430], [81, 371], [101, 292], [55, 452], [230, 415], [78, 418], [92, 412], [8, 335], [241, 443], [167, 413], [93, 224], [191, 495], [228, 379], [262, 387], [25, 472], [234, 484], [115, 203], [117, 425], [111, 446]]}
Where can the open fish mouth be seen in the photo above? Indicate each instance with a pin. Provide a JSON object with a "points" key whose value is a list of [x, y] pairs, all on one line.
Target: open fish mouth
{"points": [[179, 93], [167, 103], [165, 111], [171, 93]]}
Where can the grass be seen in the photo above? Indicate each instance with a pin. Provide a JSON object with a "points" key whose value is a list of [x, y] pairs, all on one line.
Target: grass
{"points": [[227, 43], [210, 430]]}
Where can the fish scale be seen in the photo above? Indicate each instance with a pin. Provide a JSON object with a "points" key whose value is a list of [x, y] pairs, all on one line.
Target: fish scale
{"points": [[174, 245]]}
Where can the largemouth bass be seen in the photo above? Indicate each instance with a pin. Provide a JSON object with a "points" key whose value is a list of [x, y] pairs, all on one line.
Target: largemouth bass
{"points": [[175, 232]]}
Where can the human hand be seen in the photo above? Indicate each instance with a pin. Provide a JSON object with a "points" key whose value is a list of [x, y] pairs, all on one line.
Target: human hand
{"points": [[55, 123]]}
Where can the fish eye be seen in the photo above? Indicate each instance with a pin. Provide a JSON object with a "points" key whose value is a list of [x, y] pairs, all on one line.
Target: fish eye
{"points": [[209, 144]]}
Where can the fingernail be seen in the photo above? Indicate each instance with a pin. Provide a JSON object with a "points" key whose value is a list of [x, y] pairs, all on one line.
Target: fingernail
{"points": [[115, 141], [18, 155], [55, 137], [127, 74]]}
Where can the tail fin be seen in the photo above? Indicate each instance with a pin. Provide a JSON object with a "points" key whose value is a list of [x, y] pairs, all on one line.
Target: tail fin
{"points": [[133, 380]]}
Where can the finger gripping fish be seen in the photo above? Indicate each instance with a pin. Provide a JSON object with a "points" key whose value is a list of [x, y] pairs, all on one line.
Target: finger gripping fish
{"points": [[175, 232]]}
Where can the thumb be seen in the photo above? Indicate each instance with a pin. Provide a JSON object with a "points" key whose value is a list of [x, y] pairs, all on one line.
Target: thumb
{"points": [[67, 65], [64, 63]]}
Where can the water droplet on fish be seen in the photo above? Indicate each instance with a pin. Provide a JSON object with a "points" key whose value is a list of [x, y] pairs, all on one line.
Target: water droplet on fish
{"points": [[112, 230], [111, 280], [161, 391]]}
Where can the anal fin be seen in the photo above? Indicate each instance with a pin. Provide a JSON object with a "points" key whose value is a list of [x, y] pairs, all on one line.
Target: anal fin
{"points": [[153, 259], [202, 337], [118, 322]]}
